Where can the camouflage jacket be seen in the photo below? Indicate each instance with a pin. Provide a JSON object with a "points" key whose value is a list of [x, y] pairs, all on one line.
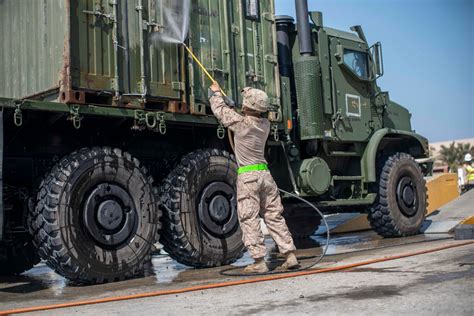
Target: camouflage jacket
{"points": [[250, 133]]}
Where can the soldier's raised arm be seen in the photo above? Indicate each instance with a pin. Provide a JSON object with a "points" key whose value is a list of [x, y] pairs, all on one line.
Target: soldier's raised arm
{"points": [[225, 114]]}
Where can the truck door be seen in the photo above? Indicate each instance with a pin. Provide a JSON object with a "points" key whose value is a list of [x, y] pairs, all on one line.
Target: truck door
{"points": [[92, 44], [350, 81], [254, 43], [164, 76], [235, 40]]}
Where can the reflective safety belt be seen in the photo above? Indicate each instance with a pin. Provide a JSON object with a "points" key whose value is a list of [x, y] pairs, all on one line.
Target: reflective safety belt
{"points": [[257, 167]]}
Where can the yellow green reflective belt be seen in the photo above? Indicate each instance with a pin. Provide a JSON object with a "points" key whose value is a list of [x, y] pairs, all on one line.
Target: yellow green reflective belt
{"points": [[258, 167]]}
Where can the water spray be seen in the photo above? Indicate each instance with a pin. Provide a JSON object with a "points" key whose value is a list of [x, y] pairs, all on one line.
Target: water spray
{"points": [[176, 18]]}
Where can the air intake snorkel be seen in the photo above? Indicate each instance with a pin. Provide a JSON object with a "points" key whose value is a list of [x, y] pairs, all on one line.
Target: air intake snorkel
{"points": [[307, 70]]}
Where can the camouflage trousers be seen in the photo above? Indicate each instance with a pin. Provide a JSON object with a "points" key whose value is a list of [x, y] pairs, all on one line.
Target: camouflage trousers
{"points": [[257, 194]]}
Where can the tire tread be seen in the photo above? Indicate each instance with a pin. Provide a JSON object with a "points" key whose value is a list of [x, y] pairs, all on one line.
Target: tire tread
{"points": [[380, 217], [173, 236], [44, 219]]}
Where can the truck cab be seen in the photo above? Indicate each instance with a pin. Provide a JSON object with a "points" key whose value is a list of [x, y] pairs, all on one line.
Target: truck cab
{"points": [[344, 132]]}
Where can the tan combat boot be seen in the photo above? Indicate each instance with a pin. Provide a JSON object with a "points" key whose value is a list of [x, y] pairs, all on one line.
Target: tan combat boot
{"points": [[291, 262], [260, 266]]}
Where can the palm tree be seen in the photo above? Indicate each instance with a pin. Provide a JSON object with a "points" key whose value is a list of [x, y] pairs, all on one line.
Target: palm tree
{"points": [[453, 156], [465, 149], [448, 155]]}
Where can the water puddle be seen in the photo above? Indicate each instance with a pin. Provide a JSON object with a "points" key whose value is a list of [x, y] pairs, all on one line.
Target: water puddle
{"points": [[42, 284]]}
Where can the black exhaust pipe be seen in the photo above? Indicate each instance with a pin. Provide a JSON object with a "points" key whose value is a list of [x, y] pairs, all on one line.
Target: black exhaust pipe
{"points": [[304, 29], [285, 58]]}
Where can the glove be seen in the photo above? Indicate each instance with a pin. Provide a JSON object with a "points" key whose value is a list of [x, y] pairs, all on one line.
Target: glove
{"points": [[229, 102], [210, 93]]}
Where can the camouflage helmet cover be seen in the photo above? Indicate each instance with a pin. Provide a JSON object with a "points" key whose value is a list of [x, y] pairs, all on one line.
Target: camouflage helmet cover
{"points": [[255, 99]]}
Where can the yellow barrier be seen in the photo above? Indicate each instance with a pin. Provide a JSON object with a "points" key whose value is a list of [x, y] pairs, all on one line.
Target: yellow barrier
{"points": [[441, 190], [468, 221]]}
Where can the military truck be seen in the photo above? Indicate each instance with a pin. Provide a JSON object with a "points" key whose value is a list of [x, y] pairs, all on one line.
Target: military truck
{"points": [[108, 144]]}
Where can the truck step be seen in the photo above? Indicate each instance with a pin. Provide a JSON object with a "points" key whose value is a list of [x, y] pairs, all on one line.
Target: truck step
{"points": [[347, 178], [343, 154]]}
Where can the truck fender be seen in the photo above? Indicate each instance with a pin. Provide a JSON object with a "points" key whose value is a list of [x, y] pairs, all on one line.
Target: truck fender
{"points": [[369, 158]]}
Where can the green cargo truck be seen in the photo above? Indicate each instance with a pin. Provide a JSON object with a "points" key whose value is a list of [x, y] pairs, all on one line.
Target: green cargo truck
{"points": [[108, 144]]}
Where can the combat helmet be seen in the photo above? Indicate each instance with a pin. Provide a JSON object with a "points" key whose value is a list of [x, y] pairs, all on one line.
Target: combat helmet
{"points": [[255, 99]]}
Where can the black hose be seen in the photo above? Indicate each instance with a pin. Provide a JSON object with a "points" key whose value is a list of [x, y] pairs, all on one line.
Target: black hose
{"points": [[312, 264]]}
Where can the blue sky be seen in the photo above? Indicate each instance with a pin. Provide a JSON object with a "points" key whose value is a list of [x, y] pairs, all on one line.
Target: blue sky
{"points": [[428, 48]]}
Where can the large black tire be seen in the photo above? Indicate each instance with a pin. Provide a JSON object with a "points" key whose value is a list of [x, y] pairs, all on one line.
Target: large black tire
{"points": [[17, 255], [200, 225], [400, 207], [97, 216], [302, 221]]}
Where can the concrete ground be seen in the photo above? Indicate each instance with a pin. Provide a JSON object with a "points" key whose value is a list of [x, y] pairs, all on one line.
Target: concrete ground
{"points": [[441, 283], [446, 218], [437, 283]]}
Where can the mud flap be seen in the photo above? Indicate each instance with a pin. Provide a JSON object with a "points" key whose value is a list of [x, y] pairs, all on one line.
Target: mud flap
{"points": [[1, 174]]}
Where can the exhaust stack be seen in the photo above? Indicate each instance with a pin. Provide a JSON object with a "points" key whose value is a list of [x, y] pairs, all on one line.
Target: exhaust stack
{"points": [[307, 71], [304, 29]]}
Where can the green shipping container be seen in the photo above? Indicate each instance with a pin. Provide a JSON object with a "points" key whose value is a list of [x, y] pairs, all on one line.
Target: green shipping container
{"points": [[101, 52]]}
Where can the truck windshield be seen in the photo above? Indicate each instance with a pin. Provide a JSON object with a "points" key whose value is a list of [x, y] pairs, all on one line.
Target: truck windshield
{"points": [[357, 62]]}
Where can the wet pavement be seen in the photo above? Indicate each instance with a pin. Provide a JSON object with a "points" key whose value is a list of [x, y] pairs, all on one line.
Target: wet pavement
{"points": [[453, 268], [41, 285]]}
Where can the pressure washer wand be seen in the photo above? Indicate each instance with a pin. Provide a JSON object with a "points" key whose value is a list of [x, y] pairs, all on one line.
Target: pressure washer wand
{"points": [[202, 67]]}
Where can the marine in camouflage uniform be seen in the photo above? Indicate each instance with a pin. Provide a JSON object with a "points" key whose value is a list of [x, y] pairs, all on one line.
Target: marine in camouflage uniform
{"points": [[257, 192]]}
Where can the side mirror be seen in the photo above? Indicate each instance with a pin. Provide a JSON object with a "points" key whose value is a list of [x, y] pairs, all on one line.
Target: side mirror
{"points": [[377, 60]]}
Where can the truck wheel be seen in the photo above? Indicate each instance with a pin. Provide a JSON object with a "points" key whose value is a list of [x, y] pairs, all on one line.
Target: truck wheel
{"points": [[200, 224], [401, 201], [17, 255], [97, 216], [301, 222]]}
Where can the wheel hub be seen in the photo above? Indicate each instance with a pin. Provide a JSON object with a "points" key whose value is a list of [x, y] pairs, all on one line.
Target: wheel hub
{"points": [[218, 208], [406, 196], [109, 215]]}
